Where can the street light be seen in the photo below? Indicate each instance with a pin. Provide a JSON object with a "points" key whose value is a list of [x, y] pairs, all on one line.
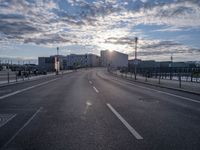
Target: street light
{"points": [[57, 63], [135, 65]]}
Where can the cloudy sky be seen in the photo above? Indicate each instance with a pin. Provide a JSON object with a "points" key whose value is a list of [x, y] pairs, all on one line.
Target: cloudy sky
{"points": [[32, 28]]}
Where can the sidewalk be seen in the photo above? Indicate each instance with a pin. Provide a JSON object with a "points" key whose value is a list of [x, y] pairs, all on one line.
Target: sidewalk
{"points": [[19, 80], [191, 87]]}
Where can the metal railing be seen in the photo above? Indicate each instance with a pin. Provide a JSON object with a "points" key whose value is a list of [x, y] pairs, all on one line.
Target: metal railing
{"points": [[10, 76], [178, 80]]}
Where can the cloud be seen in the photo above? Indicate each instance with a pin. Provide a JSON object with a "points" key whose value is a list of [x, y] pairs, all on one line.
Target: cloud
{"points": [[101, 24]]}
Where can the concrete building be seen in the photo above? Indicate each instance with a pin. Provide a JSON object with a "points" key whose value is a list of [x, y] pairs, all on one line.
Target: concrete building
{"points": [[113, 59], [78, 61], [46, 63], [49, 64], [93, 60]]}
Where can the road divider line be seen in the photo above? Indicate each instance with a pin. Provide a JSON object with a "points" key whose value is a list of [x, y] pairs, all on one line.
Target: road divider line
{"points": [[166, 93], [97, 91], [90, 82], [18, 131], [28, 88], [127, 125]]}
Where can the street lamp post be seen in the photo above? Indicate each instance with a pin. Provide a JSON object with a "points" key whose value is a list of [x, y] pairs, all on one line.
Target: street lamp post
{"points": [[171, 67], [135, 65], [57, 63]]}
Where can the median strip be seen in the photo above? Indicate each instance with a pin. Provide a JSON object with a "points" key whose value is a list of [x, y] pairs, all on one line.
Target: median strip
{"points": [[127, 125]]}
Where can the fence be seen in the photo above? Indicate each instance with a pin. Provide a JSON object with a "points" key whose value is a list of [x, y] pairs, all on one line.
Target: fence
{"points": [[7, 77], [10, 76], [177, 80]]}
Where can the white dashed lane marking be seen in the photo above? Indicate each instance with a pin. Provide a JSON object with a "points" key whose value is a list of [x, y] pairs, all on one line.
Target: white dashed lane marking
{"points": [[97, 91]]}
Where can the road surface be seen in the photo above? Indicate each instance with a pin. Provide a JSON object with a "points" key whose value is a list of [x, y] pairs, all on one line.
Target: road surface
{"points": [[93, 110]]}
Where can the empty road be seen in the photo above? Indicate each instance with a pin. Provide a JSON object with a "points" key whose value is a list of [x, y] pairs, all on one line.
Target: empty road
{"points": [[93, 110]]}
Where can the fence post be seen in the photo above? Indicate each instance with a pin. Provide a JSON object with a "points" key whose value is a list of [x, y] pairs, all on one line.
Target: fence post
{"points": [[146, 77], [159, 79], [179, 80], [16, 76], [8, 75]]}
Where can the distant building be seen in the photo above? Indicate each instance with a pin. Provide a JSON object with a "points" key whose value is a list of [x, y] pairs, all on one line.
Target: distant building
{"points": [[49, 64], [46, 63], [78, 61], [94, 60], [114, 59]]}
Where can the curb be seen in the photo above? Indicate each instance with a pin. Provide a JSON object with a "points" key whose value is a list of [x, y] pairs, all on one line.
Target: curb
{"points": [[157, 85]]}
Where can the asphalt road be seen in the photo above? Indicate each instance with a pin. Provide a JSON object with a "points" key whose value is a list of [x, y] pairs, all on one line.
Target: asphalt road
{"points": [[91, 109]]}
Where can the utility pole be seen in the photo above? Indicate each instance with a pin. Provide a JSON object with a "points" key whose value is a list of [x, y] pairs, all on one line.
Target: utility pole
{"points": [[136, 41], [57, 63]]}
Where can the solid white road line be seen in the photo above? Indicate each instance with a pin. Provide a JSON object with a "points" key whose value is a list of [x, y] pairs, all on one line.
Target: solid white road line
{"points": [[18, 131], [28, 88], [127, 125], [95, 89], [178, 96], [90, 82]]}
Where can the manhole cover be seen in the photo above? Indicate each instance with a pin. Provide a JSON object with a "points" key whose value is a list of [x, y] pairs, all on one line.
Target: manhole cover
{"points": [[145, 99], [4, 118]]}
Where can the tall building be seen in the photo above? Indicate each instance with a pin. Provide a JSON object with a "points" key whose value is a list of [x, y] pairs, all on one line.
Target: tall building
{"points": [[113, 59]]}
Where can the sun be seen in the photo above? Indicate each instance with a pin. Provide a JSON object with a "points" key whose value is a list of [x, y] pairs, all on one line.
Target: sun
{"points": [[110, 50]]}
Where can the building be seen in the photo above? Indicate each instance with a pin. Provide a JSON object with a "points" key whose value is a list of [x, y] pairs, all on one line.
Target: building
{"points": [[46, 63], [79, 61], [49, 64], [93, 60], [113, 59]]}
